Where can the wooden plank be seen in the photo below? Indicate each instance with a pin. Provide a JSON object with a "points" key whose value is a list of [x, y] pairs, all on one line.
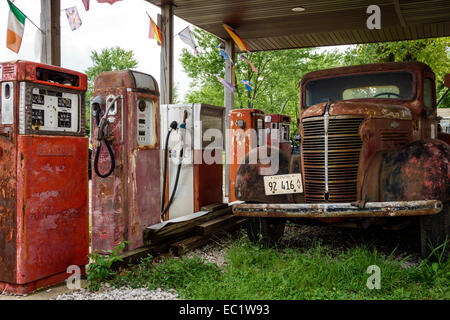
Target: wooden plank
{"points": [[183, 246], [177, 247], [214, 207], [228, 102], [51, 26], [213, 225], [194, 242], [180, 229], [165, 22]]}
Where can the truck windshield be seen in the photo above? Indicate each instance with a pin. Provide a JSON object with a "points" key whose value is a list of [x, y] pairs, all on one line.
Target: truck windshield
{"points": [[390, 85]]}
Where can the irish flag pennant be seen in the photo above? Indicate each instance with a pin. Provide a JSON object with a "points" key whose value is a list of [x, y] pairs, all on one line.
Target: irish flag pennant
{"points": [[16, 26], [154, 32]]}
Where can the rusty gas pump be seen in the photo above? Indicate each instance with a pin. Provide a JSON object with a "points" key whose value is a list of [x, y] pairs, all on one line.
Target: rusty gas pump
{"points": [[125, 135], [246, 133], [44, 223], [278, 128]]}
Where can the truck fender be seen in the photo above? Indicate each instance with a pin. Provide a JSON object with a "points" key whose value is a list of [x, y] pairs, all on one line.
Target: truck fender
{"points": [[418, 171], [249, 184]]}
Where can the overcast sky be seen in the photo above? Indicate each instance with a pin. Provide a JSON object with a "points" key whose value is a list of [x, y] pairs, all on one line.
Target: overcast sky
{"points": [[123, 24]]}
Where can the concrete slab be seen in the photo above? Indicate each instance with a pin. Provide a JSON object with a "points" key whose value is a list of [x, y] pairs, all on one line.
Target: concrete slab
{"points": [[44, 294]]}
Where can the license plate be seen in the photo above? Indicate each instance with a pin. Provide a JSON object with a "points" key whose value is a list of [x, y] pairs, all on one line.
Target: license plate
{"points": [[283, 184]]}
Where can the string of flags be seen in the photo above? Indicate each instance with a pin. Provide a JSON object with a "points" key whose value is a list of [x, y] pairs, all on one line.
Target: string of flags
{"points": [[243, 47], [16, 26]]}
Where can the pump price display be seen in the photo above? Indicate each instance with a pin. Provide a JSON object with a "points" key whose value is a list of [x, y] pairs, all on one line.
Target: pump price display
{"points": [[283, 184]]}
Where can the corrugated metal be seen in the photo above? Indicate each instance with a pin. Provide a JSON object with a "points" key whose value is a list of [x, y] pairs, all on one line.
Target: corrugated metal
{"points": [[271, 24]]}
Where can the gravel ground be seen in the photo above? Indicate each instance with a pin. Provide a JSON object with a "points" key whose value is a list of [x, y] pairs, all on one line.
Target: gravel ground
{"points": [[107, 292], [335, 240]]}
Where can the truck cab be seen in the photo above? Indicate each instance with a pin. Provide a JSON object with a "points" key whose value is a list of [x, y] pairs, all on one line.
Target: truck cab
{"points": [[370, 150]]}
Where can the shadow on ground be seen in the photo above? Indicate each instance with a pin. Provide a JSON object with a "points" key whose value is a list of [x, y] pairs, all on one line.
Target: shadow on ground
{"points": [[401, 243]]}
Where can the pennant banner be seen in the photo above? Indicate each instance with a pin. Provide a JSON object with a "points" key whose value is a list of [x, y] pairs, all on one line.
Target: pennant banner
{"points": [[108, 1], [86, 4], [154, 32], [248, 84], [238, 40], [16, 27], [248, 61], [226, 84], [73, 17], [186, 36], [224, 54]]}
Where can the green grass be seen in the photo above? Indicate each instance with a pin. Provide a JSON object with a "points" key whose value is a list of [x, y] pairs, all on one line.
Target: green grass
{"points": [[254, 272]]}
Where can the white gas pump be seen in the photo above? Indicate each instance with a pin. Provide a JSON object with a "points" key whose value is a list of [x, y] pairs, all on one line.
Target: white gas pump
{"points": [[188, 181]]}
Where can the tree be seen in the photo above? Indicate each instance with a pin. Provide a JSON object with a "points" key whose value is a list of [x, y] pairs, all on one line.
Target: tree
{"points": [[108, 59], [275, 82], [434, 52]]}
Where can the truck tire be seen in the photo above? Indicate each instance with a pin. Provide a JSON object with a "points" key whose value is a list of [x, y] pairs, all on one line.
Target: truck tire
{"points": [[267, 231], [434, 231]]}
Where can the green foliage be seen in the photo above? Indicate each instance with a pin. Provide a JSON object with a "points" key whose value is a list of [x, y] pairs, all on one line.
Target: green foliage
{"points": [[434, 52], [275, 82], [100, 268], [108, 59], [255, 272]]}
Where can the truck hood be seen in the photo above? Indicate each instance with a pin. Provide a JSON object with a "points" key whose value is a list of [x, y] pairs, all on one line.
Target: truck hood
{"points": [[366, 108]]}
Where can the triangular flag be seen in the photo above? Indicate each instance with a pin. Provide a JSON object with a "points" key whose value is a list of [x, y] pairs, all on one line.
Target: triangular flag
{"points": [[73, 17], [154, 32], [248, 85], [16, 26], [86, 4], [224, 54], [186, 36], [108, 1], [226, 84], [238, 40], [248, 61]]}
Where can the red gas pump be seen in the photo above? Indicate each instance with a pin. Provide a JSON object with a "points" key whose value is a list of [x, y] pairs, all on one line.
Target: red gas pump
{"points": [[44, 224], [278, 127], [126, 191]]}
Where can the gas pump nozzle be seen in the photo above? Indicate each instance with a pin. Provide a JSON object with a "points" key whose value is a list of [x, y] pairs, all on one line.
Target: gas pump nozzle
{"points": [[102, 124]]}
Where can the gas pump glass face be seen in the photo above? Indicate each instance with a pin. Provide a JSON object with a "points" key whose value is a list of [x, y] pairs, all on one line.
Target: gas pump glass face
{"points": [[145, 123], [142, 105]]}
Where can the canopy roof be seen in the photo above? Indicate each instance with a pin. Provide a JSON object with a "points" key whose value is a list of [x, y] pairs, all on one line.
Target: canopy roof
{"points": [[272, 24]]}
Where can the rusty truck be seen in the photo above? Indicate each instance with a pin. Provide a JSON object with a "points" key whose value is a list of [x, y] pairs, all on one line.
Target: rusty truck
{"points": [[371, 153]]}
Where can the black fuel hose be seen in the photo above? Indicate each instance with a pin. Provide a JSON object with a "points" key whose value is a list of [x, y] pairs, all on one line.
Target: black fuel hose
{"points": [[175, 186], [99, 148], [173, 126]]}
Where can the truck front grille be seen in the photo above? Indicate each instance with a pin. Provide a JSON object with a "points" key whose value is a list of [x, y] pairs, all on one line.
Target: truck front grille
{"points": [[344, 146]]}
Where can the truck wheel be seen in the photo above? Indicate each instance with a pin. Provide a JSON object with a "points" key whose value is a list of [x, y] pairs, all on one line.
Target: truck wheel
{"points": [[434, 231], [267, 231]]}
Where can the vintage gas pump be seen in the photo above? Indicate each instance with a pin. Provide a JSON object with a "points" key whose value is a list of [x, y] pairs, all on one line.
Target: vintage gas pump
{"points": [[192, 133], [126, 194], [44, 222], [246, 133], [278, 128]]}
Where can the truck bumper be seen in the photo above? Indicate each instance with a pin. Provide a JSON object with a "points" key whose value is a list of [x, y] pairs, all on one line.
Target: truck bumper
{"points": [[339, 210]]}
